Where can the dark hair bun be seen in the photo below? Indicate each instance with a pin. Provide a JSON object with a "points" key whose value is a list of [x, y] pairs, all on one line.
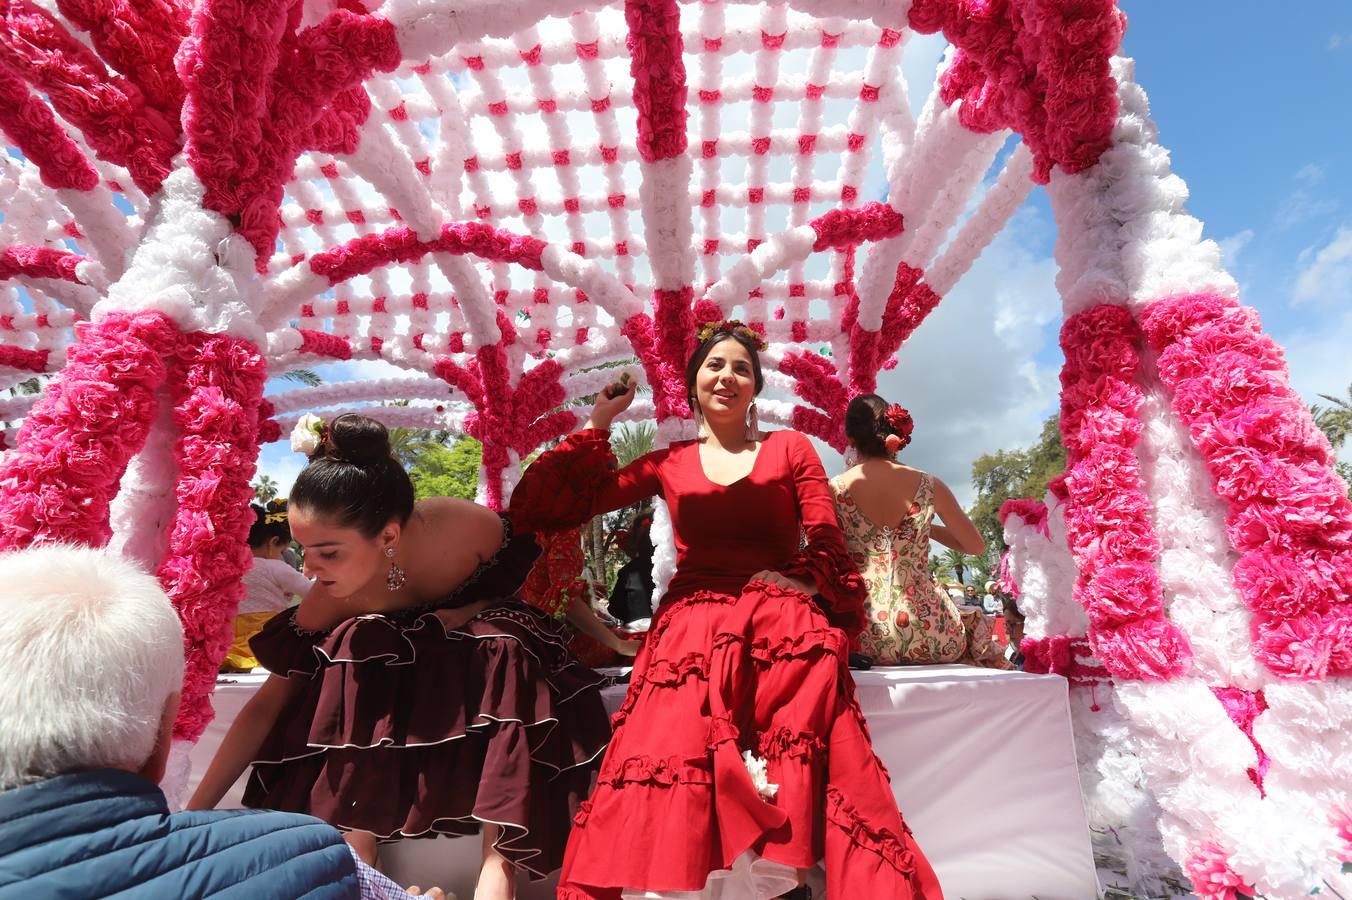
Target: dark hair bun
{"points": [[355, 480], [866, 424], [358, 440]]}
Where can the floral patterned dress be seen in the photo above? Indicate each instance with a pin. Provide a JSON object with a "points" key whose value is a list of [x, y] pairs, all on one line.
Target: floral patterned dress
{"points": [[910, 619]]}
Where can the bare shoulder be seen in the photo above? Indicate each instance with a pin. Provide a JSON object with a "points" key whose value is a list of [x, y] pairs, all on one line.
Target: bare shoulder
{"points": [[464, 522]]}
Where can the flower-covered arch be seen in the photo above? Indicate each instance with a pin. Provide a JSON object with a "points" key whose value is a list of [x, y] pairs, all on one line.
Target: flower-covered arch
{"points": [[498, 198]]}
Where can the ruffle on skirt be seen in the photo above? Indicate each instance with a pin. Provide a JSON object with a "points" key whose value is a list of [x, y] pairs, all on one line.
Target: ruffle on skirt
{"points": [[407, 727], [676, 814]]}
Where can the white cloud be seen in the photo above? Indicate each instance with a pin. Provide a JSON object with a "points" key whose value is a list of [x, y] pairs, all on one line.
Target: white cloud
{"points": [[1310, 173], [280, 463], [1301, 206], [1338, 41], [1233, 246], [1328, 277]]}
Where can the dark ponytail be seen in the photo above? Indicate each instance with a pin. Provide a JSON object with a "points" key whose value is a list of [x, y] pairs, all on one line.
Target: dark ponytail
{"points": [[353, 479]]}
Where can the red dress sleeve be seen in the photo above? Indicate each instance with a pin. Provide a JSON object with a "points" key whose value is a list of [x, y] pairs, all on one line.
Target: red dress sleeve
{"points": [[824, 558], [577, 480]]}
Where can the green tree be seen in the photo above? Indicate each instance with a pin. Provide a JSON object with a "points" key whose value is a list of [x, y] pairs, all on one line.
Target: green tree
{"points": [[1335, 420], [1014, 474], [442, 471], [1336, 423], [957, 564], [265, 488]]}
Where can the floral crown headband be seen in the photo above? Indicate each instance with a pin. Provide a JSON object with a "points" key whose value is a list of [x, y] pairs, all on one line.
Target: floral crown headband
{"points": [[309, 435], [732, 326]]}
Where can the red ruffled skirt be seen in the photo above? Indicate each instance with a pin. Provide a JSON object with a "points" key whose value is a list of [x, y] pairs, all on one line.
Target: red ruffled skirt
{"points": [[675, 804], [407, 728]]}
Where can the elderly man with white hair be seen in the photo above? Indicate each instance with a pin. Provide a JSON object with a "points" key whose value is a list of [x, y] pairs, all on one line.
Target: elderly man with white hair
{"points": [[87, 702]]}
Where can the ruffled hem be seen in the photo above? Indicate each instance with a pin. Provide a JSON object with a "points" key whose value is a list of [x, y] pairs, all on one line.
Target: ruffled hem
{"points": [[675, 811], [492, 721], [841, 814]]}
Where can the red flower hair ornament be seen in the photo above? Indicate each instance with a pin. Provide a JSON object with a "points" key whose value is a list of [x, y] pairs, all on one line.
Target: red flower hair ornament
{"points": [[898, 422]]}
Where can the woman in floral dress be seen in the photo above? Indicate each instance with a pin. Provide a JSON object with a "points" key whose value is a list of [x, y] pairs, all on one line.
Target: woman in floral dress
{"points": [[886, 512]]}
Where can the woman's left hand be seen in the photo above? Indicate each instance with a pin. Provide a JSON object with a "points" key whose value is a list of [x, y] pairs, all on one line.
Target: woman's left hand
{"points": [[784, 581]]}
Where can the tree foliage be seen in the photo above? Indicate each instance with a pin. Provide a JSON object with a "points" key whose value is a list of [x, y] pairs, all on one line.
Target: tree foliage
{"points": [[1014, 474], [265, 488], [439, 470], [1335, 421]]}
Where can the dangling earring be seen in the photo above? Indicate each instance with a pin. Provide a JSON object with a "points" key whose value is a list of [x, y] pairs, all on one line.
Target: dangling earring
{"points": [[851, 457], [699, 422], [752, 422], [396, 577]]}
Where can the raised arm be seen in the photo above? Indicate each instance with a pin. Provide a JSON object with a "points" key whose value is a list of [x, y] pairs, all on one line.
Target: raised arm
{"points": [[578, 479]]}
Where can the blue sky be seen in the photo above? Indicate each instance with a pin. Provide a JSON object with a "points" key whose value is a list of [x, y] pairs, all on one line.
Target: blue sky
{"points": [[1253, 108], [1252, 101]]}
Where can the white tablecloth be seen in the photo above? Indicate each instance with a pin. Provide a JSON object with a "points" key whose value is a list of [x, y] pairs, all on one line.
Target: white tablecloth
{"points": [[982, 766]]}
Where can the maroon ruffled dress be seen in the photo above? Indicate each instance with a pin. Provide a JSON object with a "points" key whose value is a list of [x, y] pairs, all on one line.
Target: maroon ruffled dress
{"points": [[732, 667], [405, 727]]}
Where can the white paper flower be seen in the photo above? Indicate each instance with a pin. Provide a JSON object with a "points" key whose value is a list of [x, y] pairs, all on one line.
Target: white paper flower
{"points": [[305, 437], [760, 775]]}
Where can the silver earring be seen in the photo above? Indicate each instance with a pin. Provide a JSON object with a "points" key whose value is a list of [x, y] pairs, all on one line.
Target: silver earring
{"points": [[851, 457], [699, 422], [396, 577], [752, 422]]}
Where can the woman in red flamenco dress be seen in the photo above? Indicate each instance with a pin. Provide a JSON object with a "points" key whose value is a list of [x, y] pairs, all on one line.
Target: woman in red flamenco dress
{"points": [[740, 757]]}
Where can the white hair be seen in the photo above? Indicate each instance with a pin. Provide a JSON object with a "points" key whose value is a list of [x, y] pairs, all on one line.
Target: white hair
{"points": [[92, 651]]}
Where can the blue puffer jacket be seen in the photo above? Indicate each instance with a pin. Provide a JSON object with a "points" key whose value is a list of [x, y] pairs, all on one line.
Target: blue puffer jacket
{"points": [[106, 832]]}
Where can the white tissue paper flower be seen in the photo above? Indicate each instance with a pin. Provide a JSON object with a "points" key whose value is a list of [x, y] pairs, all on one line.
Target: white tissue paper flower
{"points": [[760, 775]]}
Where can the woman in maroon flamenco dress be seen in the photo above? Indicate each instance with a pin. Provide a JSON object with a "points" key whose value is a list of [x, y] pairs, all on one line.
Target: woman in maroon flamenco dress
{"points": [[740, 757], [412, 693]]}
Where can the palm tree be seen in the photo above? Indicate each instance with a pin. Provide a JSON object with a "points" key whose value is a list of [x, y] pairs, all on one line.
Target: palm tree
{"points": [[407, 444], [957, 562], [1335, 420], [265, 488], [307, 377], [632, 441]]}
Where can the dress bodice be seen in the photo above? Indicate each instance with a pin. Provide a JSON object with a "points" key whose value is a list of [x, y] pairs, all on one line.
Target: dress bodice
{"points": [[895, 555], [780, 517]]}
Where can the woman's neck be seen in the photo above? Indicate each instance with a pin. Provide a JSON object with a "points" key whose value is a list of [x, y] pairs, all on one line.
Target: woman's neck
{"points": [[730, 435]]}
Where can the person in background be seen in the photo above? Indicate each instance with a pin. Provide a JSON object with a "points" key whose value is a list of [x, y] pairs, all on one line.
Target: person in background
{"points": [[990, 603], [887, 513], [557, 586], [271, 585], [1014, 632], [969, 597], [87, 710], [632, 597]]}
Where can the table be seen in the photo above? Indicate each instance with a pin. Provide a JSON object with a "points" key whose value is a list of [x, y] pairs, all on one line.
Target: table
{"points": [[982, 764]]}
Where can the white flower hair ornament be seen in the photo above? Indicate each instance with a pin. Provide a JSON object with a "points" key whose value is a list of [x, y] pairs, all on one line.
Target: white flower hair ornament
{"points": [[308, 435]]}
